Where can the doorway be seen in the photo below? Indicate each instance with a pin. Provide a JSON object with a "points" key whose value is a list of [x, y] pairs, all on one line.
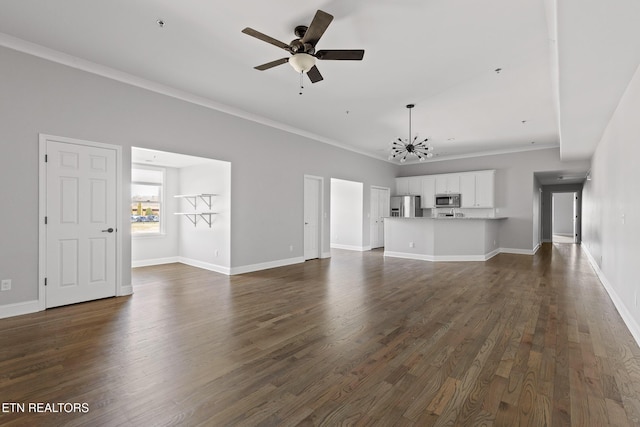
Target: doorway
{"points": [[380, 198], [313, 199], [564, 217], [180, 210], [347, 200]]}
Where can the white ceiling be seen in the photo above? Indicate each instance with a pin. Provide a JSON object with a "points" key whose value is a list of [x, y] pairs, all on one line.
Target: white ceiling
{"points": [[438, 54]]}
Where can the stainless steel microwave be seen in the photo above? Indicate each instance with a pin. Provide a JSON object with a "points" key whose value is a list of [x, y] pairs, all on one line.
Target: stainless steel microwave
{"points": [[447, 200]]}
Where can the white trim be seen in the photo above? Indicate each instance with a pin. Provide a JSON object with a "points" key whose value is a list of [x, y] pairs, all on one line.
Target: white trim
{"points": [[350, 247], [442, 258], [627, 317], [325, 255], [19, 308], [266, 265], [517, 251], [125, 290], [406, 255], [512, 150], [204, 265], [42, 204], [535, 250], [154, 261]]}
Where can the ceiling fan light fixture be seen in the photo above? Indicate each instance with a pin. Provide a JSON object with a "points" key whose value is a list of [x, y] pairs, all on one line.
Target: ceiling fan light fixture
{"points": [[302, 62]]}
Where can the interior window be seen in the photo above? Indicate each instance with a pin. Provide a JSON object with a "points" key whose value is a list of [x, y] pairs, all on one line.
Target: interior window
{"points": [[146, 200]]}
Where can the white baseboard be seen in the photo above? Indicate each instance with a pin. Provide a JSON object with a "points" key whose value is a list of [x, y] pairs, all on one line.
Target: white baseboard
{"points": [[441, 258], [350, 247], [536, 248], [265, 265], [406, 255], [154, 261], [204, 265], [627, 318], [517, 251], [19, 308]]}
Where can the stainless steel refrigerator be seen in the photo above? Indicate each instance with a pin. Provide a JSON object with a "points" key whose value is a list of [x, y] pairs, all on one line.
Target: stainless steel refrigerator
{"points": [[406, 206]]}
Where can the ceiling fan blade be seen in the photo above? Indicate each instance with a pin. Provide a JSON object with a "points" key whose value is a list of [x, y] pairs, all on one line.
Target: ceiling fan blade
{"points": [[314, 74], [344, 55], [265, 38], [272, 64], [317, 27]]}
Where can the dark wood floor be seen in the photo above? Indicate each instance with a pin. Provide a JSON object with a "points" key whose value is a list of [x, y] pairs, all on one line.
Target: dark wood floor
{"points": [[354, 340]]}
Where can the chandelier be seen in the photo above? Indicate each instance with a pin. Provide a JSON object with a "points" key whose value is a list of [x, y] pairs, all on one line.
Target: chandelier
{"points": [[401, 148]]}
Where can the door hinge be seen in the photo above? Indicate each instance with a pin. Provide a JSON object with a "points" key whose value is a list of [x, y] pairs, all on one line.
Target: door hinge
{"points": [[45, 220], [45, 281], [46, 158]]}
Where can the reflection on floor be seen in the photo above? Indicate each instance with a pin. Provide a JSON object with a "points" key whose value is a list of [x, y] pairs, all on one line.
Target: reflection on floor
{"points": [[562, 239]]}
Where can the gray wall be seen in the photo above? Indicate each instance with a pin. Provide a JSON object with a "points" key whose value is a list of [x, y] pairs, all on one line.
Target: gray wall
{"points": [[267, 172], [611, 207], [200, 244], [514, 184]]}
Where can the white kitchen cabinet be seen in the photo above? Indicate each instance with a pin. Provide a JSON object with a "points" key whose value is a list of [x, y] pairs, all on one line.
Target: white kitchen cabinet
{"points": [[448, 183], [468, 190], [427, 197], [415, 185], [477, 189], [409, 186], [402, 186], [485, 189]]}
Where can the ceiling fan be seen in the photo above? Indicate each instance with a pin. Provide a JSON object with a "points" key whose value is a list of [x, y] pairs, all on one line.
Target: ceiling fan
{"points": [[303, 49]]}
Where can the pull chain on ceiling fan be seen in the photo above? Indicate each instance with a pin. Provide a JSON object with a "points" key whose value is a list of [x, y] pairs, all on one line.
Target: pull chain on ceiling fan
{"points": [[303, 49]]}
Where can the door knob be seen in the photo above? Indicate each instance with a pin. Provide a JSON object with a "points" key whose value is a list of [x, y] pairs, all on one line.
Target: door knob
{"points": [[108, 230]]}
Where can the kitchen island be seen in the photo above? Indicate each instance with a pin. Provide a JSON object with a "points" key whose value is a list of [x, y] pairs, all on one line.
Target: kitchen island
{"points": [[441, 238]]}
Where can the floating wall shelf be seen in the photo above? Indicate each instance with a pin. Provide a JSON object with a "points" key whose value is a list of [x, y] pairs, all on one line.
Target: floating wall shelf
{"points": [[193, 201], [193, 198], [193, 217]]}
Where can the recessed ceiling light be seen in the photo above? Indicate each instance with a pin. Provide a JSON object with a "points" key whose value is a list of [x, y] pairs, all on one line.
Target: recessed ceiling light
{"points": [[497, 70], [533, 142], [451, 139], [524, 121], [160, 23]]}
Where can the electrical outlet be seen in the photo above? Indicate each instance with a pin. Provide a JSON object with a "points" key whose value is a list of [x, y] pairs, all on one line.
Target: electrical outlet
{"points": [[6, 285], [290, 248], [412, 245], [217, 253]]}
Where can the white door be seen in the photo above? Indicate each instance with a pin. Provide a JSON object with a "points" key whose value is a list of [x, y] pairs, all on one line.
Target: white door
{"points": [[379, 210], [81, 221], [312, 194]]}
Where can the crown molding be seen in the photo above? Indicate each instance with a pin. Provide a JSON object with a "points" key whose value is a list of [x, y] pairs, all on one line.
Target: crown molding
{"points": [[62, 58]]}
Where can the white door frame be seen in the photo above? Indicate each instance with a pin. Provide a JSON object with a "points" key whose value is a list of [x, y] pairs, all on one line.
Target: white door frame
{"points": [[320, 216], [42, 204]]}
